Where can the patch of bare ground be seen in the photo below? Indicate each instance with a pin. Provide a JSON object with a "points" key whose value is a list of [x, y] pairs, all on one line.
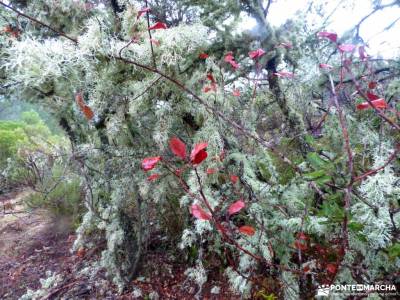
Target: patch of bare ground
{"points": [[32, 243]]}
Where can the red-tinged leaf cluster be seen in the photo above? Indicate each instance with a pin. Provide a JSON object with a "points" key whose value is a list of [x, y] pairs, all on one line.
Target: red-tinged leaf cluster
{"points": [[213, 84], [325, 66], [13, 31], [85, 109], [143, 11], [236, 93], [158, 25], [210, 77], [378, 103], [256, 53], [236, 207], [199, 213], [331, 268], [153, 177], [178, 147], [234, 179], [284, 74], [372, 96], [203, 55], [329, 35], [231, 60], [346, 47], [198, 153], [247, 230], [301, 241], [149, 163]]}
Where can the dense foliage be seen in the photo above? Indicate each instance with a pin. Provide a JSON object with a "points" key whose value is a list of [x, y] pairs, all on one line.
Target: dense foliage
{"points": [[274, 150]]}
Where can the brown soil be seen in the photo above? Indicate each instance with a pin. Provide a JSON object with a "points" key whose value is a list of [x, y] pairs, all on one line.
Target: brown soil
{"points": [[32, 243]]}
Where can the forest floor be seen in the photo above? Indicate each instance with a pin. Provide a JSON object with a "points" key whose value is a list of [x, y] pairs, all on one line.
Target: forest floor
{"points": [[34, 243]]}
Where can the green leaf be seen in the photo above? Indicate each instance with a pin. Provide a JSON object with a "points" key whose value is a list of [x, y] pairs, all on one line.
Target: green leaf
{"points": [[354, 226], [316, 161], [394, 251]]}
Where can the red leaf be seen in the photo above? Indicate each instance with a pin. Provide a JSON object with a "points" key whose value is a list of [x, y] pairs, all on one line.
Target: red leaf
{"points": [[331, 268], [329, 35], [284, 74], [153, 177], [158, 25], [248, 230], [143, 11], [178, 147], [236, 207], [87, 111], [201, 155], [79, 100], [210, 171], [199, 213], [203, 55], [325, 66], [236, 93], [234, 64], [302, 236], [256, 53], [378, 103], [211, 77], [372, 85], [229, 57], [346, 47], [231, 60], [150, 162], [300, 245], [372, 96], [196, 154], [234, 179]]}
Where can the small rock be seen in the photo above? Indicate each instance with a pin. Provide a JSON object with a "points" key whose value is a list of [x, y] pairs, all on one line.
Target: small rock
{"points": [[215, 290]]}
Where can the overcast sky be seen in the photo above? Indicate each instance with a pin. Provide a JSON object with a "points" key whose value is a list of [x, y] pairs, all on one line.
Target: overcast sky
{"points": [[386, 43]]}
